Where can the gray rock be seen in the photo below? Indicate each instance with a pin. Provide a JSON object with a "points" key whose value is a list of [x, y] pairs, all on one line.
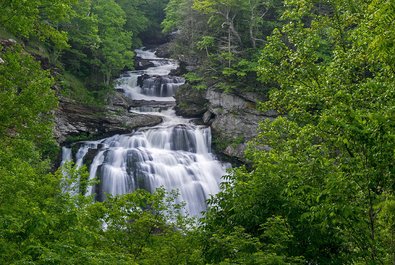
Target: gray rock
{"points": [[191, 103], [143, 64], [238, 125], [163, 51], [236, 151], [208, 116], [219, 99], [235, 119], [8, 42], [74, 119]]}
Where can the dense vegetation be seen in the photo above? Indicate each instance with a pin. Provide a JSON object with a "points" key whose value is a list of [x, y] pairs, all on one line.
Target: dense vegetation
{"points": [[322, 194], [40, 221], [87, 41]]}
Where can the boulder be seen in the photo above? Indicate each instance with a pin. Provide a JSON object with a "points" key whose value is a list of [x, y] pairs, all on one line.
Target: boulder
{"points": [[143, 64], [163, 51], [191, 103]]}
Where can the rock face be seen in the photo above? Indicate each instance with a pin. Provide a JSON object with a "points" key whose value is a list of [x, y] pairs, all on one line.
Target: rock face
{"points": [[233, 117], [191, 103], [76, 120], [163, 51]]}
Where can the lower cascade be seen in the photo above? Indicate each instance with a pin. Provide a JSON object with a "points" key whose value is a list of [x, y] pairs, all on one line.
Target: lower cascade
{"points": [[175, 155]]}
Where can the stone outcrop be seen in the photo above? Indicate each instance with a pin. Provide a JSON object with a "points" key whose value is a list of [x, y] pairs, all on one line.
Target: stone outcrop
{"points": [[142, 64], [163, 51], [191, 103], [77, 120], [233, 117]]}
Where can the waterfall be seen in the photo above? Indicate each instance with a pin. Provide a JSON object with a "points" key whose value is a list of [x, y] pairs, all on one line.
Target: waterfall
{"points": [[175, 155]]}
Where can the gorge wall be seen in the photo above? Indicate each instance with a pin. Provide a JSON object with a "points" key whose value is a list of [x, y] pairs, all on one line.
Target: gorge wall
{"points": [[233, 117]]}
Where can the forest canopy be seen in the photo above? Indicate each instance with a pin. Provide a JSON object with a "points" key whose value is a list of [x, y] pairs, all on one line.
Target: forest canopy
{"points": [[323, 193]]}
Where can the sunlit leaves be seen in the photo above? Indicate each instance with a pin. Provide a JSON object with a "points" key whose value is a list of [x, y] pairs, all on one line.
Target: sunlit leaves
{"points": [[36, 18]]}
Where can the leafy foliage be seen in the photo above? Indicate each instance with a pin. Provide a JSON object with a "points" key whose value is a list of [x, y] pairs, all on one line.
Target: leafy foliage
{"points": [[36, 18], [329, 172], [320, 186], [40, 221], [26, 99], [222, 37]]}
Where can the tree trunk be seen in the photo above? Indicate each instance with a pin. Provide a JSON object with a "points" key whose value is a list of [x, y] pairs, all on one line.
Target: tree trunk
{"points": [[107, 77]]}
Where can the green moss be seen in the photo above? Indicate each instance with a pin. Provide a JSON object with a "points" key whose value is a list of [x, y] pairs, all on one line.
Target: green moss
{"points": [[183, 105], [237, 141], [78, 138]]}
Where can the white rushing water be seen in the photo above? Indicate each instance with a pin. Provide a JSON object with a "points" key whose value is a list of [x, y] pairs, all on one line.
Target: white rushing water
{"points": [[175, 154]]}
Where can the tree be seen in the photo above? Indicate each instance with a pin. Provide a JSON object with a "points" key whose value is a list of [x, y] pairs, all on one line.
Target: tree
{"points": [[154, 11], [36, 18], [324, 73], [114, 52], [84, 40], [226, 11], [190, 27], [99, 41], [137, 20], [26, 98]]}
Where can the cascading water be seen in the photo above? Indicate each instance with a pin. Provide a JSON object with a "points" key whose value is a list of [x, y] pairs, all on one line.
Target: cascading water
{"points": [[175, 154]]}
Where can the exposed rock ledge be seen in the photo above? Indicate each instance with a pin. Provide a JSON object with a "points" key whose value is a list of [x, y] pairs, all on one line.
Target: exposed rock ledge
{"points": [[233, 117], [74, 119]]}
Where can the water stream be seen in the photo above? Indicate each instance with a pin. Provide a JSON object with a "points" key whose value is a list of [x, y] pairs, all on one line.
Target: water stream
{"points": [[175, 154]]}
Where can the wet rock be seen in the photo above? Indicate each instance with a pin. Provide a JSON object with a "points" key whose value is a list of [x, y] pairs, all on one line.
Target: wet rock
{"points": [[141, 78], [150, 106], [191, 103], [208, 117], [143, 64]]}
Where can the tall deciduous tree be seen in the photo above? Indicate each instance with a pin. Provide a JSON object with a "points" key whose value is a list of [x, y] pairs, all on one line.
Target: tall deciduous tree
{"points": [[137, 20], [84, 40], [114, 52], [100, 44]]}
